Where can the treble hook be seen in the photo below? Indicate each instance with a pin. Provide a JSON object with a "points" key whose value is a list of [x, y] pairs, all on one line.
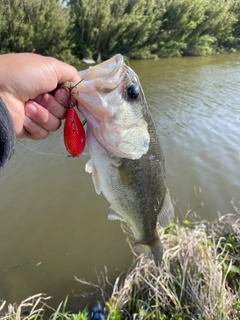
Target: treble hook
{"points": [[71, 104]]}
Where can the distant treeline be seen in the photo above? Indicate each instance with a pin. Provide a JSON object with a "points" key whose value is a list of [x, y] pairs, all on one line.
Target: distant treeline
{"points": [[139, 29]]}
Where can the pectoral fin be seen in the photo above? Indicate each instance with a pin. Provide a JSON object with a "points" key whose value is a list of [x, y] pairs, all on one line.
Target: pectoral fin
{"points": [[90, 168], [167, 214], [113, 215]]}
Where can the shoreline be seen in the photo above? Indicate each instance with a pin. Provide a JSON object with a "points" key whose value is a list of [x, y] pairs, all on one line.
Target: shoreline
{"points": [[199, 277]]}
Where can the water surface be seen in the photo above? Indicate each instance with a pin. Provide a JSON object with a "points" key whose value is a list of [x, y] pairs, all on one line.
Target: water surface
{"points": [[53, 224]]}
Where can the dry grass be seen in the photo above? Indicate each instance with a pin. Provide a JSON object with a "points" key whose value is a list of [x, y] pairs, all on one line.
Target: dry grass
{"points": [[30, 308], [35, 307], [199, 278]]}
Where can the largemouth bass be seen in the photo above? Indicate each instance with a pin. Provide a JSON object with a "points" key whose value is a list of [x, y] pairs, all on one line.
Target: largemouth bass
{"points": [[127, 163]]}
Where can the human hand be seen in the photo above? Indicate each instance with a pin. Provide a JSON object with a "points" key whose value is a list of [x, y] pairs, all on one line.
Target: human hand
{"points": [[25, 82]]}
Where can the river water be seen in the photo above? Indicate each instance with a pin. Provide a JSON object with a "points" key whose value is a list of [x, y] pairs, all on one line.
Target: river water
{"points": [[54, 226]]}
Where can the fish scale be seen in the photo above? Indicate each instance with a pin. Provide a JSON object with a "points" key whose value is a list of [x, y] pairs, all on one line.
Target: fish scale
{"points": [[127, 163]]}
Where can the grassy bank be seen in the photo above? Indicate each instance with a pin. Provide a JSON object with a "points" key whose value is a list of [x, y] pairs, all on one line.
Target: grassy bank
{"points": [[199, 279]]}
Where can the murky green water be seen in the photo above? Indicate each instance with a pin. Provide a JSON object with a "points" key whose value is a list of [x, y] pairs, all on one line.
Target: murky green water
{"points": [[53, 222]]}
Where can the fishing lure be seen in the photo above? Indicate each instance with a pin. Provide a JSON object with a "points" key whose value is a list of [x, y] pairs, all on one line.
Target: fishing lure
{"points": [[74, 133]]}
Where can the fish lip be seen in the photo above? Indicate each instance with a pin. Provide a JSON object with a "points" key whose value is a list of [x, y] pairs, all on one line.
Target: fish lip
{"points": [[103, 78], [106, 69]]}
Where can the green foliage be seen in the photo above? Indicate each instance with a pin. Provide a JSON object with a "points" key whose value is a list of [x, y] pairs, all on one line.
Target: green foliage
{"points": [[234, 40], [154, 28], [113, 313], [141, 29], [40, 26], [80, 316]]}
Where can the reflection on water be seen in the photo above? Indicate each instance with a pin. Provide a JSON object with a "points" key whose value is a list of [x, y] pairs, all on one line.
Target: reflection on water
{"points": [[53, 222]]}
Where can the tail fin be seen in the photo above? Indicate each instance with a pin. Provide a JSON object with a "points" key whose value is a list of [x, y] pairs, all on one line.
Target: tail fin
{"points": [[154, 251]]}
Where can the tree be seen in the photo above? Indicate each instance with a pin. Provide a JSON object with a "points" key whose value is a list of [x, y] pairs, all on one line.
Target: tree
{"points": [[41, 26]]}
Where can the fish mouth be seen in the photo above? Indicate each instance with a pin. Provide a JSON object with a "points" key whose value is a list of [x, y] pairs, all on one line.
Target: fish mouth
{"points": [[93, 93], [101, 97], [107, 75]]}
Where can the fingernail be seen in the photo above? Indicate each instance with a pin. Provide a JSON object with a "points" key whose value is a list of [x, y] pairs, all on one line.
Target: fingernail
{"points": [[30, 109], [27, 121]]}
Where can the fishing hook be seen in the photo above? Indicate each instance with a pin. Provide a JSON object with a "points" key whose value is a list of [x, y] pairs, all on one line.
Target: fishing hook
{"points": [[71, 104]]}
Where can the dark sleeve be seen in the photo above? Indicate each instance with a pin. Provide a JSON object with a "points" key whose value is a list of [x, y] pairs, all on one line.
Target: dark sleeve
{"points": [[7, 135]]}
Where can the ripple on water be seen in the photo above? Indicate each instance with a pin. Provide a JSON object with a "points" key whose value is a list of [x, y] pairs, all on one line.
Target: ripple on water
{"points": [[197, 113]]}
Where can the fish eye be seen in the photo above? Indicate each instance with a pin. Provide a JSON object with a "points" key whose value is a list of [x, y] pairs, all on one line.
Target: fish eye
{"points": [[133, 91]]}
